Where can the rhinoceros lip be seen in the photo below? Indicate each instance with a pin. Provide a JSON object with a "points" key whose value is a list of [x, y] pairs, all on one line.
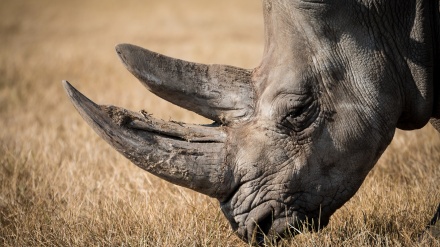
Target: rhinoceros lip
{"points": [[264, 223], [274, 228], [293, 224]]}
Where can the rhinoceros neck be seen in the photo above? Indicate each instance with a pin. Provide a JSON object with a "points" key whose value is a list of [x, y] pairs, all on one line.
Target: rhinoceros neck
{"points": [[425, 101], [418, 47]]}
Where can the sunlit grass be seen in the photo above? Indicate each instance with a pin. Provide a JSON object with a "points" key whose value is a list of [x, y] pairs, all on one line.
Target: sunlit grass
{"points": [[60, 184]]}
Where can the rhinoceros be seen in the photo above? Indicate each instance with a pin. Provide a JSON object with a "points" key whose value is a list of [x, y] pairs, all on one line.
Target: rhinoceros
{"points": [[293, 139]]}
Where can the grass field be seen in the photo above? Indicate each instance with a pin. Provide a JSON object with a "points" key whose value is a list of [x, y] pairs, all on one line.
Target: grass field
{"points": [[60, 184]]}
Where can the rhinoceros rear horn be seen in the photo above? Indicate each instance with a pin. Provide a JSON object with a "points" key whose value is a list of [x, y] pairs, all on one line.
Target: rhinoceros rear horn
{"points": [[218, 92], [188, 155]]}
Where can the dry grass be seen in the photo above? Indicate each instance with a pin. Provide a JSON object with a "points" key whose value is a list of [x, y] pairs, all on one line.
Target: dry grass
{"points": [[61, 185]]}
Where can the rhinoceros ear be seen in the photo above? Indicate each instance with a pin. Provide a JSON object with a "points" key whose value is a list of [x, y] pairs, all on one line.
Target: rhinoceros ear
{"points": [[218, 92]]}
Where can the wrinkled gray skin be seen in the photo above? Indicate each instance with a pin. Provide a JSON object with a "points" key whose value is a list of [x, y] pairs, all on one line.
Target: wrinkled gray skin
{"points": [[294, 138]]}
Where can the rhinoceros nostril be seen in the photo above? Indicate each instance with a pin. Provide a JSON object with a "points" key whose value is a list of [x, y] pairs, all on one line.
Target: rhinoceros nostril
{"points": [[262, 228]]}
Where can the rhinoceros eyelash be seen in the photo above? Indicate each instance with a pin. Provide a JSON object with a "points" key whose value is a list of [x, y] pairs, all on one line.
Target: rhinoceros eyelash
{"points": [[298, 112]]}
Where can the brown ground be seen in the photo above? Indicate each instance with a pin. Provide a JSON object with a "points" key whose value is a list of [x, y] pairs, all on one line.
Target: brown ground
{"points": [[61, 185]]}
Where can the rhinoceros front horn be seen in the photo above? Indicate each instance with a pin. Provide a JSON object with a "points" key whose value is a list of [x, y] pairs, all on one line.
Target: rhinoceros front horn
{"points": [[192, 156]]}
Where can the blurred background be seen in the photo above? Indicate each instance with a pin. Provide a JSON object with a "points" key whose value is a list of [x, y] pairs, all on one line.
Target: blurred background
{"points": [[61, 185], [47, 41]]}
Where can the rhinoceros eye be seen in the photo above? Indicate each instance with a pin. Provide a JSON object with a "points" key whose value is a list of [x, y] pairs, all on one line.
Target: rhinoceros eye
{"points": [[300, 117], [296, 113]]}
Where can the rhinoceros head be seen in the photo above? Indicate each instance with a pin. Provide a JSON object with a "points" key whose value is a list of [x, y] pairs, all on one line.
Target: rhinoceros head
{"points": [[293, 139]]}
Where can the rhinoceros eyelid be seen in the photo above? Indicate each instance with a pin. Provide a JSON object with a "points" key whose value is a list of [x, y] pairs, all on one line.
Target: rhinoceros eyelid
{"points": [[300, 109], [291, 97], [315, 1], [312, 5], [283, 103]]}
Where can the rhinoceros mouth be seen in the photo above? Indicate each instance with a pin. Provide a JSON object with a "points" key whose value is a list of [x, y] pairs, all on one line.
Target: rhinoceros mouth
{"points": [[274, 229], [273, 220], [268, 227]]}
